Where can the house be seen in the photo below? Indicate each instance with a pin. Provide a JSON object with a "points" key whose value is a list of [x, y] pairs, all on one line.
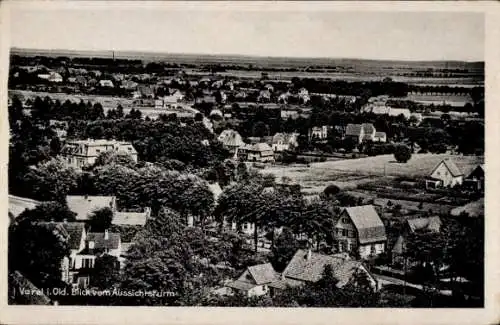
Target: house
{"points": [[122, 218], [231, 140], [475, 180], [175, 97], [355, 132], [74, 234], [206, 99], [129, 85], [106, 83], [96, 244], [18, 205], [412, 226], [304, 97], [445, 174], [216, 112], [255, 280], [84, 205], [264, 96], [285, 114], [55, 77], [259, 152], [360, 230], [82, 153], [304, 267], [284, 141], [319, 132], [400, 111], [368, 132], [380, 137]]}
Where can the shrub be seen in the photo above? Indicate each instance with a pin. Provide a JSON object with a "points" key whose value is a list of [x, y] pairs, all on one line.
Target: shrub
{"points": [[402, 153]]}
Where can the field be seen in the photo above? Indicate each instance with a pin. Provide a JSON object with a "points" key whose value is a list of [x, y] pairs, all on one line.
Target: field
{"points": [[349, 173]]}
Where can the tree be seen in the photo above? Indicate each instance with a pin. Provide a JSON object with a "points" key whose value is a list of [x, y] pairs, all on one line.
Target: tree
{"points": [[402, 153], [48, 211], [114, 157], [283, 250], [37, 252], [106, 272], [101, 219], [51, 180], [331, 190]]}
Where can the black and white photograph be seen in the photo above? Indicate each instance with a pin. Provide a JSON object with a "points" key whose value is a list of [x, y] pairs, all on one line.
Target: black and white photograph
{"points": [[175, 155]]}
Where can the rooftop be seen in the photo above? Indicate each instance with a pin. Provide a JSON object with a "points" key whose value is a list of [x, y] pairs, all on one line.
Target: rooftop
{"points": [[84, 205], [368, 223]]}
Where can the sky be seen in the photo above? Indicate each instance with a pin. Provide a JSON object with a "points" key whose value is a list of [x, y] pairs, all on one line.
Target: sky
{"points": [[326, 33]]}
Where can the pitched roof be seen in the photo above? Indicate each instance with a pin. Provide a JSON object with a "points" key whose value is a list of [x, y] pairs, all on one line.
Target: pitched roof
{"points": [[368, 128], [100, 243], [18, 204], [353, 129], [311, 269], [430, 223], [240, 285], [451, 166], [263, 273], [83, 206], [131, 218], [368, 223], [231, 138], [260, 147]]}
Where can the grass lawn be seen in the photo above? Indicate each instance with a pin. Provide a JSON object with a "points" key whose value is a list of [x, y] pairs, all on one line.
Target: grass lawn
{"points": [[349, 173]]}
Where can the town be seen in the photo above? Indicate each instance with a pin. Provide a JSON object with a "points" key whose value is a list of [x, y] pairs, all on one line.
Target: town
{"points": [[236, 184]]}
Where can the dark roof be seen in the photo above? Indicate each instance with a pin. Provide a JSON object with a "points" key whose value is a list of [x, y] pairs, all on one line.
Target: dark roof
{"points": [[101, 243], [353, 129], [368, 223], [263, 273], [311, 269], [241, 285], [368, 128]]}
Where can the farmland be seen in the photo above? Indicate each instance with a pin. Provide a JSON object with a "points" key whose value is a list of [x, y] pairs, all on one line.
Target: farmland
{"points": [[352, 172]]}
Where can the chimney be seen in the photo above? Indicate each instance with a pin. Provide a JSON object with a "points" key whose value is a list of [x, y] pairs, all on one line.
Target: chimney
{"points": [[106, 234]]}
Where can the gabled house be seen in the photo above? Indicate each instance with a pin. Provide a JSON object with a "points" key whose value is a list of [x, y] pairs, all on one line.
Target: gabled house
{"points": [[284, 141], [412, 226], [231, 140], [106, 83], [317, 132], [445, 174], [259, 152], [368, 132], [355, 132], [304, 267], [359, 230], [380, 137], [475, 180], [255, 280], [264, 96], [55, 77], [96, 244]]}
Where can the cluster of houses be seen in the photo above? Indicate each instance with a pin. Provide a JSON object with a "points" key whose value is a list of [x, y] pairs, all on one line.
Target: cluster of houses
{"points": [[359, 133], [260, 149], [359, 234], [84, 243]]}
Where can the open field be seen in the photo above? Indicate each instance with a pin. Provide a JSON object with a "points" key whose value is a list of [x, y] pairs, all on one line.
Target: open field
{"points": [[351, 172]]}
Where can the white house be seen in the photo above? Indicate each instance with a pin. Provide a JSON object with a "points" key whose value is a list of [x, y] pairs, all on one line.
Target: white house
{"points": [[106, 83], [445, 174], [255, 280], [319, 132], [380, 137], [360, 229], [284, 141], [81, 153]]}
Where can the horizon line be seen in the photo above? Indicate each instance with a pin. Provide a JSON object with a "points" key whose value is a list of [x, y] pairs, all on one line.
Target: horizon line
{"points": [[245, 55]]}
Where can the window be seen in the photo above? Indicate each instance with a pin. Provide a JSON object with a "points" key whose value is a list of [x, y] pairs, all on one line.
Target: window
{"points": [[345, 232], [345, 220], [86, 263]]}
